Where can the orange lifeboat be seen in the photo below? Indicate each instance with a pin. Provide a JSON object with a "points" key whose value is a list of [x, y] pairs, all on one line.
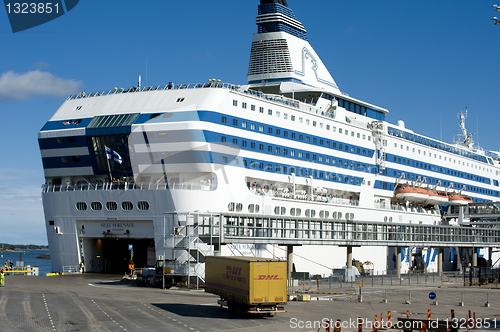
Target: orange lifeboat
{"points": [[436, 197], [410, 193], [458, 199]]}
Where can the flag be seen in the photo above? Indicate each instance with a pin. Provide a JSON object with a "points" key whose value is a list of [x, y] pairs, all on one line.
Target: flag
{"points": [[111, 154]]}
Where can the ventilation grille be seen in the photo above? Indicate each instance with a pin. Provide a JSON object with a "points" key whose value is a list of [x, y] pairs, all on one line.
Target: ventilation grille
{"points": [[269, 57]]}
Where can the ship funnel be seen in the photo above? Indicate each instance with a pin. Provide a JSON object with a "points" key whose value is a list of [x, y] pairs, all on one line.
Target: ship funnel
{"points": [[281, 52]]}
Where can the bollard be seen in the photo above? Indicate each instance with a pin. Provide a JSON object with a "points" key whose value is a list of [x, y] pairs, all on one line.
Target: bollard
{"points": [[375, 324], [389, 323], [409, 299], [338, 323], [360, 324], [424, 326], [487, 304], [385, 300], [462, 302], [447, 325], [452, 314], [407, 313], [474, 322], [429, 314]]}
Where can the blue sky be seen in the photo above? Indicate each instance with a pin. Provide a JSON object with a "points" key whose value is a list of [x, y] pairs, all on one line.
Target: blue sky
{"points": [[424, 61]]}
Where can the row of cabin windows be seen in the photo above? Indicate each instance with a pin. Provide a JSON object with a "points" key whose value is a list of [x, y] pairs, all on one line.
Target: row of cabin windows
{"points": [[334, 145], [293, 118], [449, 159], [113, 206], [410, 162]]}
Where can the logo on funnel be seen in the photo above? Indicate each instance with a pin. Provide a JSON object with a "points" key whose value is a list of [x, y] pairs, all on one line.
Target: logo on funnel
{"points": [[27, 15]]}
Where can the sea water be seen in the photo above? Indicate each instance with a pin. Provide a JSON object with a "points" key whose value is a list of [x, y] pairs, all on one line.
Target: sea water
{"points": [[29, 257]]}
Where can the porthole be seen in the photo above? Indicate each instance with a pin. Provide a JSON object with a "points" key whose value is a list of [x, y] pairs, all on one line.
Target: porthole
{"points": [[167, 115], [143, 205], [61, 140], [65, 160], [71, 139], [81, 206], [127, 205], [96, 206], [75, 159], [111, 206], [152, 116]]}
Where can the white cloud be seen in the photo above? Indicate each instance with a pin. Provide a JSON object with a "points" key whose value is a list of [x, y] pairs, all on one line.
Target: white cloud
{"points": [[14, 86]]}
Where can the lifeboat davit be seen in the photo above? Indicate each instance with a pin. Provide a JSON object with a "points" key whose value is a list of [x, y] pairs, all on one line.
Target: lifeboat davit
{"points": [[410, 193], [436, 197], [458, 199]]}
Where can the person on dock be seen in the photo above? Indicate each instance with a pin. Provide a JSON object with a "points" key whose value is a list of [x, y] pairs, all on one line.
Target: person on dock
{"points": [[82, 267], [2, 277]]}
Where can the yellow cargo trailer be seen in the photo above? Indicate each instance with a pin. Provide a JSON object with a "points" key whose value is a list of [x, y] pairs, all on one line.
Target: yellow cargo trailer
{"points": [[247, 284]]}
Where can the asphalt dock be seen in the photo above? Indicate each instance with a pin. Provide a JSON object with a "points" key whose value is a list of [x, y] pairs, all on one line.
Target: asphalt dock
{"points": [[96, 302]]}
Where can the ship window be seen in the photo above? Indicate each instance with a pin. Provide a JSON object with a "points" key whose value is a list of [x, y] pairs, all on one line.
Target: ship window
{"points": [[285, 116], [239, 207], [223, 119], [261, 147], [81, 206], [261, 128], [235, 103], [278, 114], [314, 123], [96, 206], [230, 206], [261, 109], [347, 132], [244, 144], [243, 124], [277, 210], [223, 139], [252, 107], [252, 126], [235, 141], [71, 139], [180, 100], [270, 130], [243, 105], [235, 122], [61, 140], [307, 122], [327, 127], [340, 130], [111, 206], [75, 159], [153, 116], [65, 160], [270, 112], [143, 205], [300, 120], [127, 205], [293, 117], [224, 160]]}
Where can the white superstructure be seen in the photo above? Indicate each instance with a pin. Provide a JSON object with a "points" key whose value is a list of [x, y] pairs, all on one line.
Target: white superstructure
{"points": [[288, 143]]}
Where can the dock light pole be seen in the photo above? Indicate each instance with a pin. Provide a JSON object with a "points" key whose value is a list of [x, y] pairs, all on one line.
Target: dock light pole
{"points": [[164, 244]]}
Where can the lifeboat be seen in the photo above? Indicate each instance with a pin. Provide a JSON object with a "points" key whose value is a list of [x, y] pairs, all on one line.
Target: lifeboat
{"points": [[436, 197], [458, 199], [410, 193]]}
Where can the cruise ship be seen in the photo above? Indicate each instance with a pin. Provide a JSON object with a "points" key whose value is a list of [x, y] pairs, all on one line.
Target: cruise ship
{"points": [[119, 163]]}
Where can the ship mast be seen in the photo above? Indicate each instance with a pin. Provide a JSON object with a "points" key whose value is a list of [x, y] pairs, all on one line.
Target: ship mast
{"points": [[467, 138]]}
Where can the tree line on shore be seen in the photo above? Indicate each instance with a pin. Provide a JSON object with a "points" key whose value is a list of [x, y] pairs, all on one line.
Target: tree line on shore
{"points": [[13, 247]]}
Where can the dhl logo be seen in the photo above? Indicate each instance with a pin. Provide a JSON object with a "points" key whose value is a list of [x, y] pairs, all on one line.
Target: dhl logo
{"points": [[233, 273], [268, 277]]}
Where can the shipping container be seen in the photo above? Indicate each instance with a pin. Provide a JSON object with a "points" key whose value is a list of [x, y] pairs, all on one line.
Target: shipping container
{"points": [[247, 284]]}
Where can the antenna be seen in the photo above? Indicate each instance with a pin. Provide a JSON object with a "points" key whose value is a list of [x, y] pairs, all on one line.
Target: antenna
{"points": [[139, 84]]}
